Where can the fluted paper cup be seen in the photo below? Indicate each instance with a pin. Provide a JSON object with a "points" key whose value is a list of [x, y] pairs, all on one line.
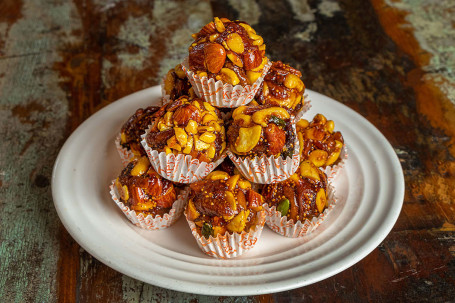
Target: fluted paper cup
{"points": [[291, 229], [149, 222], [165, 98], [266, 170], [229, 245], [179, 168], [333, 170], [126, 156], [221, 94], [306, 107]]}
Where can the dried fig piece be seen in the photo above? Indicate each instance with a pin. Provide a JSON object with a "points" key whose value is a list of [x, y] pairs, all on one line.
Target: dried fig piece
{"points": [[157, 140], [276, 138], [196, 57]]}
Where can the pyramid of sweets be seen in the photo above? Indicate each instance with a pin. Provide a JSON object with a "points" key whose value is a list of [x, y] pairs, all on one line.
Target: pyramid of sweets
{"points": [[229, 147]]}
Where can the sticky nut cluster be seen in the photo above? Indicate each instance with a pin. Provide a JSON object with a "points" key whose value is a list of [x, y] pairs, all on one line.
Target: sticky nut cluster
{"points": [[282, 86], [221, 203], [130, 134], [261, 130], [143, 190], [227, 50], [302, 196], [318, 142], [191, 127], [176, 84]]}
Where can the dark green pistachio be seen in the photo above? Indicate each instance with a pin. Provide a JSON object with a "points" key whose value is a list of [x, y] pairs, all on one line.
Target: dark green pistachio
{"points": [[288, 153], [207, 230], [277, 121], [283, 207]]}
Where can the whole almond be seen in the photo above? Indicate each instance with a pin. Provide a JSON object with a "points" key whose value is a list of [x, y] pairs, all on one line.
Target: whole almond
{"points": [[186, 113], [215, 56], [252, 59], [207, 30]]}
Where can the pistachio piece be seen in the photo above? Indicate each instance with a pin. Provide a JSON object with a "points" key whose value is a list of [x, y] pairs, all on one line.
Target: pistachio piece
{"points": [[261, 117], [283, 207], [207, 230], [278, 121]]}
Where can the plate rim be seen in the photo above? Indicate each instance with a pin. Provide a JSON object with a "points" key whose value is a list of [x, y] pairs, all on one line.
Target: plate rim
{"points": [[272, 287]]}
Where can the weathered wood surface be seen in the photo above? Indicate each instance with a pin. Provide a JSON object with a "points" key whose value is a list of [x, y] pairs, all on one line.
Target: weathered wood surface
{"points": [[393, 61]]}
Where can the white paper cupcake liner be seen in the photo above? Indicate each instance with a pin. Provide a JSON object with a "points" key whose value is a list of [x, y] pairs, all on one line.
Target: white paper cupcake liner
{"points": [[149, 222], [126, 156], [266, 170], [306, 107], [221, 94], [288, 228], [333, 170], [179, 168], [229, 245], [165, 98]]}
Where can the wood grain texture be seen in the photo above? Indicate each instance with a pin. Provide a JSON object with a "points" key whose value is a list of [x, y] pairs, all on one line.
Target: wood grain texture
{"points": [[391, 61]]}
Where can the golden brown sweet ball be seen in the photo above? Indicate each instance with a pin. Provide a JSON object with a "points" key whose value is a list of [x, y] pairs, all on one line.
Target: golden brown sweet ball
{"points": [[190, 127], [176, 84], [302, 196], [261, 130], [227, 50], [143, 190], [223, 203], [134, 127], [319, 143], [282, 86]]}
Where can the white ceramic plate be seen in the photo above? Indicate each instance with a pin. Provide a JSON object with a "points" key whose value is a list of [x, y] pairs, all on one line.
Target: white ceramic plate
{"points": [[370, 189]]}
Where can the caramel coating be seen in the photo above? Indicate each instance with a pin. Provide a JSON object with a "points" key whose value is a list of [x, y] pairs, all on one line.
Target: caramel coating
{"points": [[143, 190], [319, 143], [301, 190], [227, 50], [134, 127], [282, 87], [188, 126], [176, 84], [225, 203], [261, 130]]}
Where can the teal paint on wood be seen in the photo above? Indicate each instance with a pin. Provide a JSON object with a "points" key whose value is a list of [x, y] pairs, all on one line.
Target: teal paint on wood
{"points": [[137, 291], [33, 113]]}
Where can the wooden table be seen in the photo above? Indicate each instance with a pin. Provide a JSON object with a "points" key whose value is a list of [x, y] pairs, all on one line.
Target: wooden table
{"points": [[391, 61]]}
